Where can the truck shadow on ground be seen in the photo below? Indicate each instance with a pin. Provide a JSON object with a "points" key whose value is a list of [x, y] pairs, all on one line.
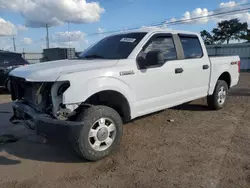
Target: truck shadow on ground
{"points": [[59, 152], [3, 91], [6, 161], [3, 140], [25, 149], [192, 107]]}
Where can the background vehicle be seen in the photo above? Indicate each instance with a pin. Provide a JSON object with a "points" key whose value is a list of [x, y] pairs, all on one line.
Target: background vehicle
{"points": [[9, 61], [122, 77]]}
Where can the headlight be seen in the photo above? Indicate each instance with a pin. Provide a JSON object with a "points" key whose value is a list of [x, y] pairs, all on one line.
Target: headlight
{"points": [[63, 88], [8, 69]]}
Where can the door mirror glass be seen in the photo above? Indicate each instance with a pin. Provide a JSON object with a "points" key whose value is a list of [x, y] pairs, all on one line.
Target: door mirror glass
{"points": [[154, 58], [141, 62]]}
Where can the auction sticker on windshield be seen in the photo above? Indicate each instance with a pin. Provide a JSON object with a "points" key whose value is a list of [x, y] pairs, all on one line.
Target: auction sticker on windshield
{"points": [[128, 40]]}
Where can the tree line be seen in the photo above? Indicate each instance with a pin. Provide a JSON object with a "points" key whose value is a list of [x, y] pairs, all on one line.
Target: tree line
{"points": [[227, 31]]}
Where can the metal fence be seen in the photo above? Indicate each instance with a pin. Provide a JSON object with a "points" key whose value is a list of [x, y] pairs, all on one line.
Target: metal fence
{"points": [[241, 49], [32, 57], [50, 55]]}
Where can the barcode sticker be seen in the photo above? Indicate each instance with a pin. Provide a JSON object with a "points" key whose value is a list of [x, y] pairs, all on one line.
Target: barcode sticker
{"points": [[128, 40]]}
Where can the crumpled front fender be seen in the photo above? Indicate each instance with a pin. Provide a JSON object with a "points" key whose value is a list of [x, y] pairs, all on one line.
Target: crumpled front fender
{"points": [[80, 91]]}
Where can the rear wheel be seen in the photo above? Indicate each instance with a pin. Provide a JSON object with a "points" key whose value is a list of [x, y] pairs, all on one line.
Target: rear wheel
{"points": [[101, 133], [218, 100]]}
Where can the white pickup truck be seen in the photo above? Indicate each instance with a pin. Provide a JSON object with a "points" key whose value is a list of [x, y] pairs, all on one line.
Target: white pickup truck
{"points": [[121, 77]]}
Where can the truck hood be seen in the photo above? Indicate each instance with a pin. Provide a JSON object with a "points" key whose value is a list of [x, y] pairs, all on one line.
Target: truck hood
{"points": [[52, 70]]}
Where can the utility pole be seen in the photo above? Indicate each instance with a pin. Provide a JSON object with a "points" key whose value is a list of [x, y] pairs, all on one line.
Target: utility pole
{"points": [[47, 37], [14, 43], [23, 54], [69, 34]]}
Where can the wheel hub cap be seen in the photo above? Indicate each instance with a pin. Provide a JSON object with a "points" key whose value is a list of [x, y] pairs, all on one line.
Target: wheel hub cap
{"points": [[222, 95], [102, 134]]}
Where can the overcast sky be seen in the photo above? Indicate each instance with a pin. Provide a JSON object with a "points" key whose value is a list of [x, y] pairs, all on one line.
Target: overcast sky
{"points": [[74, 20]]}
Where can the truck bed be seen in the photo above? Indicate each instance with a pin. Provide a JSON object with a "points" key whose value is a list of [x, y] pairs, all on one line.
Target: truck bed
{"points": [[229, 64]]}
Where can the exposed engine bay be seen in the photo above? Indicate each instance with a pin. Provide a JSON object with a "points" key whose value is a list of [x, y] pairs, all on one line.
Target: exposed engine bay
{"points": [[44, 97]]}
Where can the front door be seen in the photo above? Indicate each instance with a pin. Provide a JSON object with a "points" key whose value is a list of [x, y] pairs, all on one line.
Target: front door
{"points": [[157, 87]]}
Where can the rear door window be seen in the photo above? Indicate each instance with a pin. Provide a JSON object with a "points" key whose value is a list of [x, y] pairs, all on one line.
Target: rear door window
{"points": [[191, 47]]}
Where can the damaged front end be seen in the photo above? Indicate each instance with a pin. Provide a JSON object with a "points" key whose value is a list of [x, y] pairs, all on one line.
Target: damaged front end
{"points": [[39, 106]]}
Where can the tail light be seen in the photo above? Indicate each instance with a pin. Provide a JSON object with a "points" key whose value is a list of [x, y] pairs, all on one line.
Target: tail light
{"points": [[238, 66]]}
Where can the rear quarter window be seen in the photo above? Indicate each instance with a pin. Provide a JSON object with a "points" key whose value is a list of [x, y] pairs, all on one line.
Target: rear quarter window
{"points": [[191, 47]]}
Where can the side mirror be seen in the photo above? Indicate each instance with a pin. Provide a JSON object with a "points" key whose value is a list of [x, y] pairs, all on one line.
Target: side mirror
{"points": [[141, 62], [154, 58]]}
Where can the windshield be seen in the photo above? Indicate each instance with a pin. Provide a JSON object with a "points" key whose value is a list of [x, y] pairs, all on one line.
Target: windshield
{"points": [[114, 47]]}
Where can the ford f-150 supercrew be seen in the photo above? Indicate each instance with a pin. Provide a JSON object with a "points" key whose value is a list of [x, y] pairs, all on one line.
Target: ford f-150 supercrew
{"points": [[121, 77]]}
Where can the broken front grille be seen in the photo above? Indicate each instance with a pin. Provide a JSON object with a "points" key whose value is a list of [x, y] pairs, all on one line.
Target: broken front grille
{"points": [[36, 93]]}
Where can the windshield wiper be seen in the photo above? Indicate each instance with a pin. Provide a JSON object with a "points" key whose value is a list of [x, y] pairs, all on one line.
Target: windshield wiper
{"points": [[94, 56]]}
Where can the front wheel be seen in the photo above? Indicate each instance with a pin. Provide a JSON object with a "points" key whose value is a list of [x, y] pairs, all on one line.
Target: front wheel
{"points": [[100, 134], [218, 100], [7, 85]]}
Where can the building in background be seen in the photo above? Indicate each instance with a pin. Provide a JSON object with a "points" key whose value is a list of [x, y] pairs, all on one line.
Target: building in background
{"points": [[32, 57], [51, 54]]}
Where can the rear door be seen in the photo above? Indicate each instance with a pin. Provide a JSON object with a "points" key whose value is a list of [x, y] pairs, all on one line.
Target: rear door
{"points": [[196, 67]]}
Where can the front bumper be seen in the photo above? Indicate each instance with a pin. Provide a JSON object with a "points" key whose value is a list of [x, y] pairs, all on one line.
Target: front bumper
{"points": [[43, 124]]}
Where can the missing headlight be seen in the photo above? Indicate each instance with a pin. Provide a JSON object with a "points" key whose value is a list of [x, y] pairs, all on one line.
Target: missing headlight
{"points": [[62, 88]]}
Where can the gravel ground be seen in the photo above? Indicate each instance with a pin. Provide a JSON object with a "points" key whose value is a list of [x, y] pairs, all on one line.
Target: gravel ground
{"points": [[199, 148]]}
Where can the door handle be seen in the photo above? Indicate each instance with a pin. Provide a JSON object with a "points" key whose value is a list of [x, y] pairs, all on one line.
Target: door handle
{"points": [[205, 66], [178, 71]]}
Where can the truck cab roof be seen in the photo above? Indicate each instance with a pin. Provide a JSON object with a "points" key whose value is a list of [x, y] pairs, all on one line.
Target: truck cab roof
{"points": [[151, 30]]}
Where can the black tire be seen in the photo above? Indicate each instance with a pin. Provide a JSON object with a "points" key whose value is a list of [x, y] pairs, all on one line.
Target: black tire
{"points": [[213, 100], [89, 117], [7, 85]]}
